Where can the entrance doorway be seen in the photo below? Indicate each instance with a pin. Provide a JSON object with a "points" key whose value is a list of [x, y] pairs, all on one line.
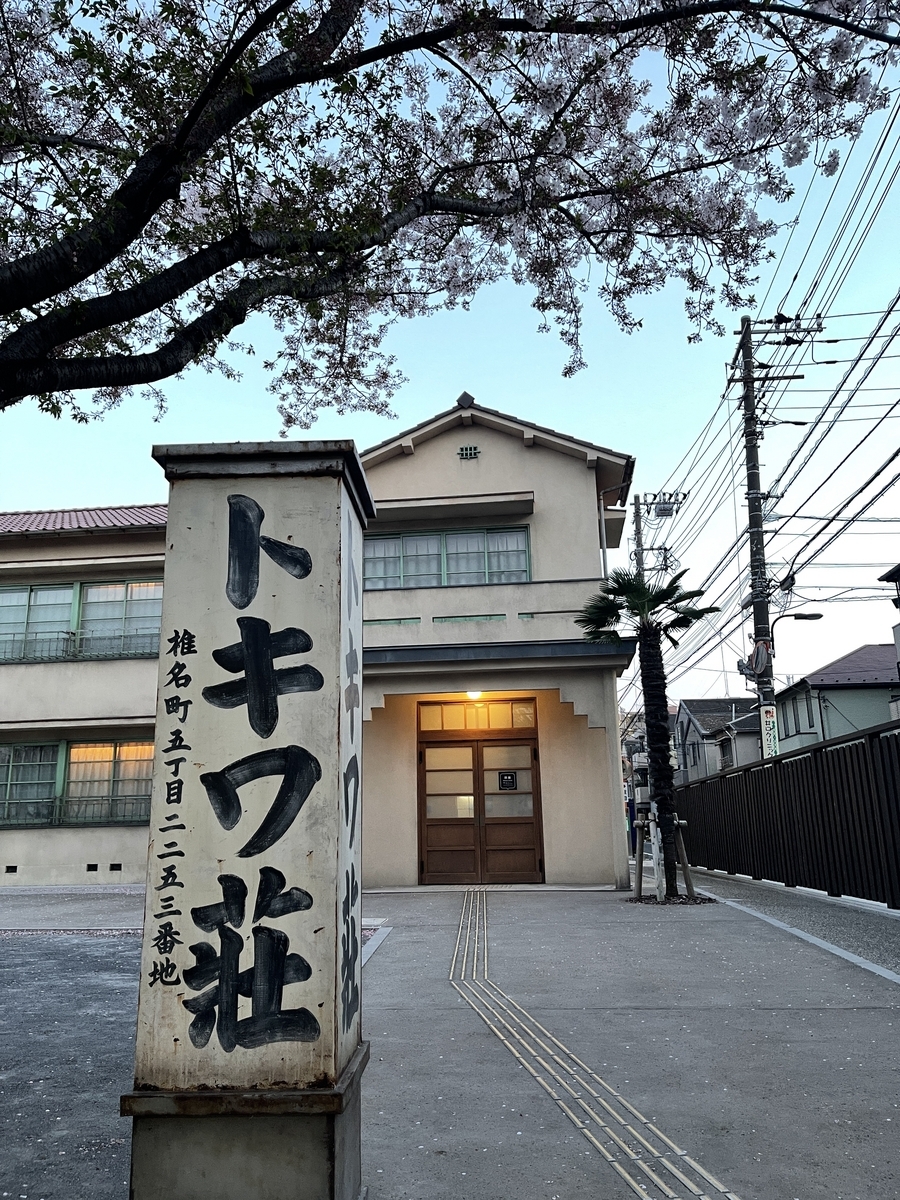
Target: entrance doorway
{"points": [[479, 796]]}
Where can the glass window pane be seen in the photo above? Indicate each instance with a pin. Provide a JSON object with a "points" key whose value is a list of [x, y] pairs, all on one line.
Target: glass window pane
{"points": [[133, 769], [50, 611], [508, 804], [102, 609], [454, 716], [422, 560], [13, 619], [501, 757], [381, 563], [476, 716], [143, 608], [450, 806], [32, 772], [500, 716], [90, 769], [429, 716], [507, 556], [523, 714], [13, 611], [444, 782], [448, 758], [465, 558]]}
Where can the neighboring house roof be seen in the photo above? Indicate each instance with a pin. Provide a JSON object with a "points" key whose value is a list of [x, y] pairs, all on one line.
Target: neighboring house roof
{"points": [[891, 576], [867, 666], [747, 724], [709, 716], [83, 520], [467, 413]]}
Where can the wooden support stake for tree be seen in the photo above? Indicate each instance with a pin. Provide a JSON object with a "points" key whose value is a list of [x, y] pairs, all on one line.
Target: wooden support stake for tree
{"points": [[682, 858], [639, 862]]}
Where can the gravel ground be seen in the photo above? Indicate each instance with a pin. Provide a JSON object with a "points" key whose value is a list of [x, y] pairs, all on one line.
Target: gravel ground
{"points": [[66, 1055], [870, 933]]}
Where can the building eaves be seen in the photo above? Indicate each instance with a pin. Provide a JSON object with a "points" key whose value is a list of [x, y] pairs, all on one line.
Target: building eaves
{"points": [[404, 442], [64, 521]]}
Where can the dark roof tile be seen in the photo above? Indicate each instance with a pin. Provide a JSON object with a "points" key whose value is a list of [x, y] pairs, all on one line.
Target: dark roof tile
{"points": [[866, 665], [84, 520]]}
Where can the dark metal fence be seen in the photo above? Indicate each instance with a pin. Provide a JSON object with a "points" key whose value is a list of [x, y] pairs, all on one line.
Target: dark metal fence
{"points": [[826, 816]]}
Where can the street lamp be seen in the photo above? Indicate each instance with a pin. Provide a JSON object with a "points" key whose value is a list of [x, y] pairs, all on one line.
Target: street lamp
{"points": [[800, 616]]}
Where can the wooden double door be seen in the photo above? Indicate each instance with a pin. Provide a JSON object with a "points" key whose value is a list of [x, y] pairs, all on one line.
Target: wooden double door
{"points": [[480, 811]]}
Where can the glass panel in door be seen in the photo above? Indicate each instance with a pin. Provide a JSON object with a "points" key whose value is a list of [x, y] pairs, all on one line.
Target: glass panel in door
{"points": [[451, 850], [511, 829]]}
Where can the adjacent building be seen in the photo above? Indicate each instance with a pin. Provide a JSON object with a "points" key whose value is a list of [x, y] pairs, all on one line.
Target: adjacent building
{"points": [[491, 739], [715, 735], [856, 691]]}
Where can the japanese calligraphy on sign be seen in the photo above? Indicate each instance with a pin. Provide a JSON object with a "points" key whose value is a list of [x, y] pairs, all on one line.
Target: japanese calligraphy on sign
{"points": [[251, 958]]}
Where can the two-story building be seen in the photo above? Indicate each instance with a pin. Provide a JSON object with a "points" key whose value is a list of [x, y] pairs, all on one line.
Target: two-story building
{"points": [[491, 741], [715, 734], [856, 691]]}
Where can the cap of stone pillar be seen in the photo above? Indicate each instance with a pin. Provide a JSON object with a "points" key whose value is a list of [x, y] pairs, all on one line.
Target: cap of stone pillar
{"points": [[216, 459]]}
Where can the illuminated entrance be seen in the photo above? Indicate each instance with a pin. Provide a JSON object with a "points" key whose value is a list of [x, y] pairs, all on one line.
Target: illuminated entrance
{"points": [[479, 792]]}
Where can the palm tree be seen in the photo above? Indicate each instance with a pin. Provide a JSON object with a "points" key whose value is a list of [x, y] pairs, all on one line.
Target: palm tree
{"points": [[650, 613]]}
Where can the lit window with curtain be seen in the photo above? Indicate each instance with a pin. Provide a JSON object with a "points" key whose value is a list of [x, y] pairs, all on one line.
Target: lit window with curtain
{"points": [[108, 782], [454, 559], [27, 784]]}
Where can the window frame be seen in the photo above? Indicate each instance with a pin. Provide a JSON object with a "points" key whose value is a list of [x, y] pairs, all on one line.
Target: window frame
{"points": [[59, 798], [443, 534], [69, 640]]}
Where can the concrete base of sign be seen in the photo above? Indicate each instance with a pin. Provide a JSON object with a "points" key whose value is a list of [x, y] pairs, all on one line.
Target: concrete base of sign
{"points": [[271, 1145]]}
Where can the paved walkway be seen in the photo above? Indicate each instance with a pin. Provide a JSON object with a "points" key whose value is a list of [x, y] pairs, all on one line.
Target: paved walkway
{"points": [[526, 1045]]}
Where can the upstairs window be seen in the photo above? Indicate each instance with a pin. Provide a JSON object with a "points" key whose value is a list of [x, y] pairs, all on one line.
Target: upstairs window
{"points": [[48, 623], [35, 622], [459, 559], [120, 617]]}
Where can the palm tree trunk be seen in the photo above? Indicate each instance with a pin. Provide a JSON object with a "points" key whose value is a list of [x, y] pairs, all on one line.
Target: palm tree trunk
{"points": [[656, 716]]}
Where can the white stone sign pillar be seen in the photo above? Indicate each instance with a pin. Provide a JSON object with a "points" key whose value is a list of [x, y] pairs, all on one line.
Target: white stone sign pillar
{"points": [[248, 1056]]}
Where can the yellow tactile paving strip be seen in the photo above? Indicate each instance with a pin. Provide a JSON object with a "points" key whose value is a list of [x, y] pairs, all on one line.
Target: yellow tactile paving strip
{"points": [[650, 1163]]}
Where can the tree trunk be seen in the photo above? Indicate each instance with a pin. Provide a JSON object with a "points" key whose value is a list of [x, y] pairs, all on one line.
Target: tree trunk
{"points": [[656, 716]]}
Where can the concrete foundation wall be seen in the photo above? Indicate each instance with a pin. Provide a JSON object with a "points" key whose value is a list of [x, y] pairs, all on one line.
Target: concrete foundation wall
{"points": [[59, 857], [583, 807]]}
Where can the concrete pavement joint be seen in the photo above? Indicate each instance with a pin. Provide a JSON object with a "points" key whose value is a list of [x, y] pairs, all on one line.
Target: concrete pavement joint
{"points": [[374, 941], [526, 1038], [883, 972]]}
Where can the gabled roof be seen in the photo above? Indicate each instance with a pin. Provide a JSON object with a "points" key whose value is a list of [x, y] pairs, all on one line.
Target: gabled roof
{"points": [[83, 520], [708, 716], [748, 723], [867, 666], [618, 468]]}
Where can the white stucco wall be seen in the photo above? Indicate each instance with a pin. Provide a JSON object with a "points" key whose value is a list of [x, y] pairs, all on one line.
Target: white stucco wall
{"points": [[565, 492]]}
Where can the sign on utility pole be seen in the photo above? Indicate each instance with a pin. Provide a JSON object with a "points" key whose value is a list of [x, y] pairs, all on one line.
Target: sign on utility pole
{"points": [[248, 1057]]}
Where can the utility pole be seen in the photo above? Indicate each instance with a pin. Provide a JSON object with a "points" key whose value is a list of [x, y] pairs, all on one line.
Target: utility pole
{"points": [[761, 659], [638, 539]]}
